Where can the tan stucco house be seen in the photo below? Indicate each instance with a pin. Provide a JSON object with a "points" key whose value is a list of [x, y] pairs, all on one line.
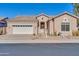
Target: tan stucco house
{"points": [[42, 24]]}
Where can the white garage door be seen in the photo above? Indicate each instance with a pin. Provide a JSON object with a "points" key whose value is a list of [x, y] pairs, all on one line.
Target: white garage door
{"points": [[22, 29]]}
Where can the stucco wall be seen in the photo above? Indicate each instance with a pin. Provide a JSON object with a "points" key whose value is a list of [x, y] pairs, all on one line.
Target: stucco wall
{"points": [[58, 21]]}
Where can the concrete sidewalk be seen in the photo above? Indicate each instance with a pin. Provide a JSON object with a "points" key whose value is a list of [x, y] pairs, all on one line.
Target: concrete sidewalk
{"points": [[31, 39], [40, 41]]}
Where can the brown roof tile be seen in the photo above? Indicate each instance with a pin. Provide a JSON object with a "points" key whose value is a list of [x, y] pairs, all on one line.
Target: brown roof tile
{"points": [[23, 18]]}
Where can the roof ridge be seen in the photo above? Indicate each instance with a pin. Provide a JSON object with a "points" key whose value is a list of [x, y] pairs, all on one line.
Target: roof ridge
{"points": [[66, 13]]}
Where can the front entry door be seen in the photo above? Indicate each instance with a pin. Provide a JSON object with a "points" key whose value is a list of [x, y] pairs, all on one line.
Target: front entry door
{"points": [[42, 27]]}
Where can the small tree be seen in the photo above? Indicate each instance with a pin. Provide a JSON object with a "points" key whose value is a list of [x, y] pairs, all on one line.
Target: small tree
{"points": [[76, 10], [1, 31]]}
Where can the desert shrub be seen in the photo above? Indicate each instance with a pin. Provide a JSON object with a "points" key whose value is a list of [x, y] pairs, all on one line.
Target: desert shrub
{"points": [[34, 34], [55, 33], [1, 31], [75, 33], [51, 34]]}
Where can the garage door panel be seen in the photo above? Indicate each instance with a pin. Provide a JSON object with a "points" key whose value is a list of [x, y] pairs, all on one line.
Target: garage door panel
{"points": [[22, 30]]}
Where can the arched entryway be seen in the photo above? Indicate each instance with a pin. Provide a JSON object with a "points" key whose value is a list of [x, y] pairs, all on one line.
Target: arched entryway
{"points": [[43, 28], [42, 24]]}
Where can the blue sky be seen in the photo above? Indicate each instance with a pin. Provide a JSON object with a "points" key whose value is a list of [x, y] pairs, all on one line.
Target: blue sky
{"points": [[15, 9]]}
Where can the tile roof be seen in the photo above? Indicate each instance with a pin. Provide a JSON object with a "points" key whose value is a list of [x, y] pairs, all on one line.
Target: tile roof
{"points": [[33, 18], [23, 18]]}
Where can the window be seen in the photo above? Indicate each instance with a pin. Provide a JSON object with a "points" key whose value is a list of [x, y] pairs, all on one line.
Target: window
{"points": [[65, 26], [22, 25], [42, 25]]}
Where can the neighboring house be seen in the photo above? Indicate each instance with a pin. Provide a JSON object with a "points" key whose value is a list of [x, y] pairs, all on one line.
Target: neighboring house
{"points": [[3, 25], [42, 24]]}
